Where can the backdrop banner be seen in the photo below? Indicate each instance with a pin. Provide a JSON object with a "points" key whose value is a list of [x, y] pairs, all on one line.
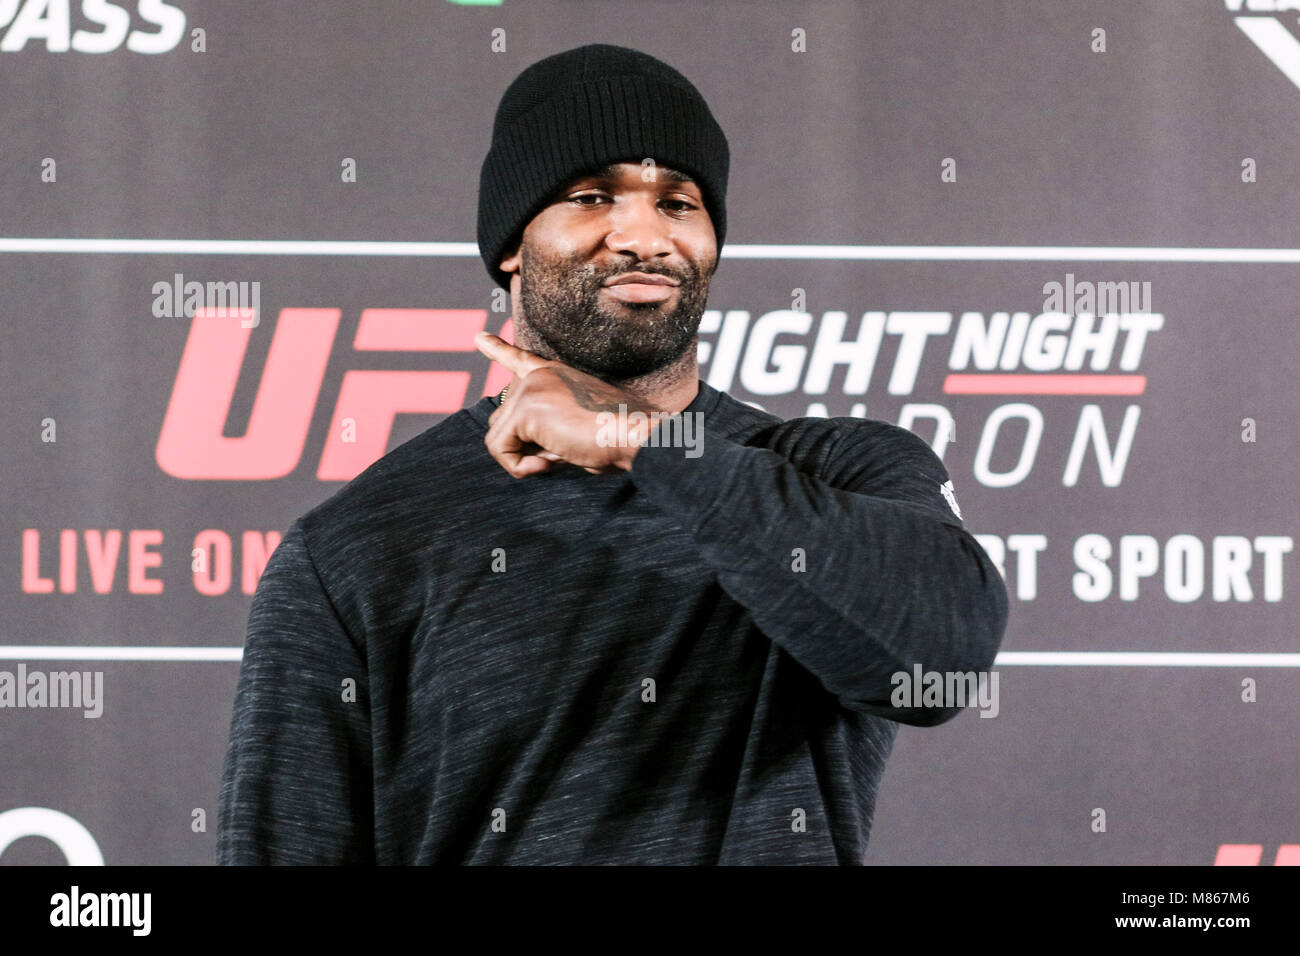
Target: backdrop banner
{"points": [[1057, 241]]}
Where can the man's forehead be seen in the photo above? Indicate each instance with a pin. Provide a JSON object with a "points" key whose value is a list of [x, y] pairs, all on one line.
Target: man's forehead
{"points": [[612, 171]]}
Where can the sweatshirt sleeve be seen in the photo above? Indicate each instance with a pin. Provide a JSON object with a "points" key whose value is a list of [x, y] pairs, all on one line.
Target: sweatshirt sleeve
{"points": [[296, 786], [859, 572]]}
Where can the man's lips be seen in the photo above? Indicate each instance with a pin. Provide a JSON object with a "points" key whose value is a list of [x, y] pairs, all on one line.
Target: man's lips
{"points": [[641, 287], [647, 278]]}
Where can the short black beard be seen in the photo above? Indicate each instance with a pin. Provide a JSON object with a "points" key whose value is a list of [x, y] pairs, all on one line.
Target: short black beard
{"points": [[615, 342]]}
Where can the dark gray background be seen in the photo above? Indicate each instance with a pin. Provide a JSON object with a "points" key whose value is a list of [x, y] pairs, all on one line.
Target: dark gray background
{"points": [[1056, 145]]}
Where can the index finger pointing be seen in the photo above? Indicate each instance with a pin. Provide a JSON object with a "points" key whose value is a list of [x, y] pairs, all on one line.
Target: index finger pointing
{"points": [[520, 361]]}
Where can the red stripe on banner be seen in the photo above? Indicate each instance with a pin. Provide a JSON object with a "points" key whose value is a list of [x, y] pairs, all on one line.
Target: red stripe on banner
{"points": [[1045, 384], [419, 330]]}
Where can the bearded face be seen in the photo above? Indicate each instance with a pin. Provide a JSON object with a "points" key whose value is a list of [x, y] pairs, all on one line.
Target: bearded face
{"points": [[571, 313]]}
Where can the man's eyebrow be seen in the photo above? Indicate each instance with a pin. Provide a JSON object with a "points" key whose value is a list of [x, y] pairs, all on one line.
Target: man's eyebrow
{"points": [[611, 172]]}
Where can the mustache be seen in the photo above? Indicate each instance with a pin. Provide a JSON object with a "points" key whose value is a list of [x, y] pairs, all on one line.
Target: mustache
{"points": [[679, 278]]}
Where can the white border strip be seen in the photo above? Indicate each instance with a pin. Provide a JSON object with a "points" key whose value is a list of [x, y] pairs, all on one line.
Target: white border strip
{"points": [[38, 652], [241, 247], [305, 247], [1014, 253], [1142, 659]]}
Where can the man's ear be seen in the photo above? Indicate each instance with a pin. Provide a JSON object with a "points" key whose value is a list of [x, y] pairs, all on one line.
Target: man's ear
{"points": [[511, 266], [512, 261]]}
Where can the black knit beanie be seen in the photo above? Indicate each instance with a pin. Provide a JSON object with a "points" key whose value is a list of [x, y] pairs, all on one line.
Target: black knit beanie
{"points": [[570, 114]]}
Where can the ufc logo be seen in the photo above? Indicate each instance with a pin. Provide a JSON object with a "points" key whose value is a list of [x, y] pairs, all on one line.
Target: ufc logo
{"points": [[191, 446], [1249, 854]]}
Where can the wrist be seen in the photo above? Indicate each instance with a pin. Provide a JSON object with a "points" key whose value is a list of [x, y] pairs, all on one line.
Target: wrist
{"points": [[635, 441]]}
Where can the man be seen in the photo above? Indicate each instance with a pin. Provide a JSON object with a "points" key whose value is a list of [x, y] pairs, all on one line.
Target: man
{"points": [[538, 633]]}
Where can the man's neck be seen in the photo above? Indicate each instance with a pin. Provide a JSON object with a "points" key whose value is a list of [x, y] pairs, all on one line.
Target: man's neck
{"points": [[670, 389]]}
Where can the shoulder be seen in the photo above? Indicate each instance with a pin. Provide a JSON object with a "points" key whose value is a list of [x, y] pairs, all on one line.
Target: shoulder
{"points": [[883, 444], [826, 444], [874, 457], [413, 480]]}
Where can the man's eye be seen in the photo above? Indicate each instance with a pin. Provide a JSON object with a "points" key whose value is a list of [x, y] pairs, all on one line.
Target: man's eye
{"points": [[681, 204]]}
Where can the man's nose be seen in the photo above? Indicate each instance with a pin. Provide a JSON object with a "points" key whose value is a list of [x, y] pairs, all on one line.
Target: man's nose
{"points": [[637, 226]]}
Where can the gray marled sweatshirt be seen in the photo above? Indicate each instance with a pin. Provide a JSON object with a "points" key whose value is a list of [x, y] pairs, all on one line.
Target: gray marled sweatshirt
{"points": [[686, 663]]}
